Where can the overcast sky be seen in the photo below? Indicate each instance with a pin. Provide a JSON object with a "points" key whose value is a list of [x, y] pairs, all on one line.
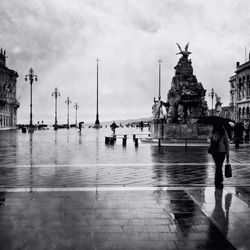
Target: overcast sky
{"points": [[61, 40]]}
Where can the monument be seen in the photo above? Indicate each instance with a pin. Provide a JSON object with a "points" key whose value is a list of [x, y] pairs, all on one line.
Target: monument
{"points": [[185, 104]]}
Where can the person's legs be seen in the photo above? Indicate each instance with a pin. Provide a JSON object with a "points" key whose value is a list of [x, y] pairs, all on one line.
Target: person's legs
{"points": [[237, 142], [218, 159]]}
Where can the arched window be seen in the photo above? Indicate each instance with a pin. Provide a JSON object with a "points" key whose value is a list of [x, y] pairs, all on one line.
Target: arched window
{"points": [[239, 114], [243, 86], [248, 86], [243, 113], [239, 88], [247, 113]]}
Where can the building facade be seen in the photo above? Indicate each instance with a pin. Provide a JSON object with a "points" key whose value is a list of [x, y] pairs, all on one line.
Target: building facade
{"points": [[240, 93], [8, 101]]}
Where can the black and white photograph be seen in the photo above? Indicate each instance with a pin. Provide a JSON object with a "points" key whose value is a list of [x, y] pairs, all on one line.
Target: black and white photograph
{"points": [[124, 124]]}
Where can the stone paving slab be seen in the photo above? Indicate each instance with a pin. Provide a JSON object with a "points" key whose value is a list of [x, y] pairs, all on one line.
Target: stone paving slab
{"points": [[107, 219]]}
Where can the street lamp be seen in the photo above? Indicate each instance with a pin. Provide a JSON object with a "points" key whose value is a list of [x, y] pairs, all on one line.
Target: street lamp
{"points": [[56, 93], [76, 106], [31, 77], [97, 122], [211, 94], [159, 96], [68, 101]]}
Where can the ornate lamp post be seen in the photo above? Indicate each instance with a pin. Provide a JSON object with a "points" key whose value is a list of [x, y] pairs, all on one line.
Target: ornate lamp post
{"points": [[68, 101], [56, 94], [76, 106], [31, 77], [211, 94]]}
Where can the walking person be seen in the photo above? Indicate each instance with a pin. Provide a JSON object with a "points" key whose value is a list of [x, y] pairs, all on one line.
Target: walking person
{"points": [[238, 134], [220, 145], [113, 127], [80, 128]]}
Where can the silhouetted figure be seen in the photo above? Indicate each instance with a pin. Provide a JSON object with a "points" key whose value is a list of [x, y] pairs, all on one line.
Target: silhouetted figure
{"points": [[220, 137], [80, 128], [2, 198], [247, 130], [141, 125], [113, 126], [238, 133], [219, 216]]}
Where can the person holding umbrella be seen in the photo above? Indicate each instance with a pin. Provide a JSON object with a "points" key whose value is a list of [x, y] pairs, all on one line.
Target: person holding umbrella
{"points": [[220, 152], [219, 147], [113, 127], [80, 128]]}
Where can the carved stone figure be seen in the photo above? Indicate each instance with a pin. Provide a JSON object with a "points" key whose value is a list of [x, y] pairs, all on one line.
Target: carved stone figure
{"points": [[157, 109], [185, 52], [218, 105], [186, 98]]}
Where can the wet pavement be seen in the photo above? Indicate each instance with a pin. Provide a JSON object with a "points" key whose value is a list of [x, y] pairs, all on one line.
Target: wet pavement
{"points": [[59, 190]]}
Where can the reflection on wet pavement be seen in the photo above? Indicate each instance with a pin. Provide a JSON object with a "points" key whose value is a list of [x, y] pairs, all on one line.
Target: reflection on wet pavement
{"points": [[61, 189], [229, 213], [178, 154], [63, 158], [106, 220]]}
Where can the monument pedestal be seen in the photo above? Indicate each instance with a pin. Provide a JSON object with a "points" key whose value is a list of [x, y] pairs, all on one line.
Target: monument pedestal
{"points": [[97, 126], [179, 133]]}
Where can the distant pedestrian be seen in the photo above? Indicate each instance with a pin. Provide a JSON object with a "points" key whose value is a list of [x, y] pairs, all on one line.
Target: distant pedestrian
{"points": [[141, 125], [113, 126], [247, 130], [238, 133], [220, 150], [80, 128]]}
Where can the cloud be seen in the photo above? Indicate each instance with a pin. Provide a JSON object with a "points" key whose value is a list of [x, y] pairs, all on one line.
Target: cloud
{"points": [[62, 39]]}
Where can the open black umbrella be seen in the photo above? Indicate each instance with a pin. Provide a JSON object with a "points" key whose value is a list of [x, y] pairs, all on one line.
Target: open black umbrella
{"points": [[114, 125], [228, 124], [80, 124]]}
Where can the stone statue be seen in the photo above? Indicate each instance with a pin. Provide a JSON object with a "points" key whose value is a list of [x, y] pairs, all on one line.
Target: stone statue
{"points": [[186, 97], [218, 105], [185, 52], [157, 110]]}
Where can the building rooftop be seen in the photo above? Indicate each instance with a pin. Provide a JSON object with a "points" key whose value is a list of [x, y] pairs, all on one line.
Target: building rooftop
{"points": [[242, 67]]}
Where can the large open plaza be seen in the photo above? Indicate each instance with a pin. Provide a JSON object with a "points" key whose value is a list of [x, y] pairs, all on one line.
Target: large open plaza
{"points": [[62, 190], [124, 124]]}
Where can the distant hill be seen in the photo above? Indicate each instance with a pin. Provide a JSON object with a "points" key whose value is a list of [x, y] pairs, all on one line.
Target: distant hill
{"points": [[123, 122]]}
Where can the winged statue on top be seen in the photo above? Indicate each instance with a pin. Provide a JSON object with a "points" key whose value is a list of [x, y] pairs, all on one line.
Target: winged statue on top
{"points": [[185, 52]]}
